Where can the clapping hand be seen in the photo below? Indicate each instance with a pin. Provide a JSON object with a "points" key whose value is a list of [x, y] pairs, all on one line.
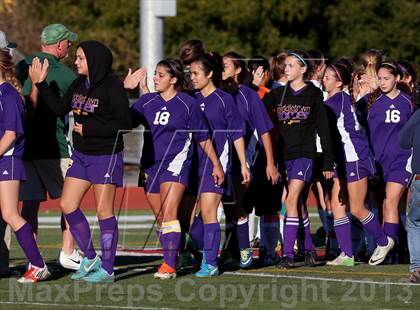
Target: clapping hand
{"points": [[38, 71], [133, 79]]}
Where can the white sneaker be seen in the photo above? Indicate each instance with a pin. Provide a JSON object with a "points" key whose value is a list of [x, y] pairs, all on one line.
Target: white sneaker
{"points": [[381, 252], [342, 260], [34, 274], [71, 261]]}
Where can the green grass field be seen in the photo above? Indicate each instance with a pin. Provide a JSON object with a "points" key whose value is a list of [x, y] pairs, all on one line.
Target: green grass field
{"points": [[322, 287]]}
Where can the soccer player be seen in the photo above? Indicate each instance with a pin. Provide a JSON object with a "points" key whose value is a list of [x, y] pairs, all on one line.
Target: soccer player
{"points": [[12, 170], [277, 70], [300, 113], [367, 80], [354, 165], [171, 119], [263, 192], [386, 111], [100, 107], [408, 82], [226, 126]]}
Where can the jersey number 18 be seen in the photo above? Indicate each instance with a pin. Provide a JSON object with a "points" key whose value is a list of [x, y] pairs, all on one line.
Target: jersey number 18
{"points": [[161, 118]]}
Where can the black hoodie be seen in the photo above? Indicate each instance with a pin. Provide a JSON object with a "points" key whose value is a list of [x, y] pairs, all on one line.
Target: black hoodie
{"points": [[100, 104], [299, 117]]}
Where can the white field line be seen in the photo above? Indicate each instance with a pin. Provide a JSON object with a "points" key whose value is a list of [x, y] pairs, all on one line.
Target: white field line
{"points": [[128, 253], [267, 275]]}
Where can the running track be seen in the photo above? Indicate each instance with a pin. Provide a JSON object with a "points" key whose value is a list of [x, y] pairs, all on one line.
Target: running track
{"points": [[131, 198]]}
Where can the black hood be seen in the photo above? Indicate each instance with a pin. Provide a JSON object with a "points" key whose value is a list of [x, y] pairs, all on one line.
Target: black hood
{"points": [[99, 61]]}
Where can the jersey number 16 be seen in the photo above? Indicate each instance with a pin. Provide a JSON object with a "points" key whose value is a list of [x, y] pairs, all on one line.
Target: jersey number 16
{"points": [[392, 116]]}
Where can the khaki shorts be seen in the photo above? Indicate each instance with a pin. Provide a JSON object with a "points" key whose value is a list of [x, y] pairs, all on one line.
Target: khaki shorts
{"points": [[44, 176]]}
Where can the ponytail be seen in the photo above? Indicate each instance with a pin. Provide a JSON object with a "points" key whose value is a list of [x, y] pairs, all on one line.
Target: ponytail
{"points": [[8, 71]]}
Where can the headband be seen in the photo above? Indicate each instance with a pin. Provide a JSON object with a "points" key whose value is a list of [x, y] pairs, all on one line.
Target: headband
{"points": [[299, 58], [171, 66], [336, 73], [389, 64]]}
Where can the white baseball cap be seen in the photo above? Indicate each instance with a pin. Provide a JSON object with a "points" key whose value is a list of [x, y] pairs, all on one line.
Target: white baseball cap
{"points": [[4, 43]]}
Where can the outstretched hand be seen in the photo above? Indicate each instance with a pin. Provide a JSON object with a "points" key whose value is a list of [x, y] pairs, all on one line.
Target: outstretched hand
{"points": [[133, 79], [38, 71]]}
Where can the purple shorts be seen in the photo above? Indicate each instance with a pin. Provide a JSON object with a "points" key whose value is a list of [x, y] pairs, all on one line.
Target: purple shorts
{"points": [[207, 185], [356, 170], [11, 168], [299, 169], [395, 171], [159, 173], [97, 169]]}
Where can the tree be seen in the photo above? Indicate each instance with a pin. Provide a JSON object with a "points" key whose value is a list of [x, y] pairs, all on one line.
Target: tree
{"points": [[250, 27], [115, 23], [388, 25]]}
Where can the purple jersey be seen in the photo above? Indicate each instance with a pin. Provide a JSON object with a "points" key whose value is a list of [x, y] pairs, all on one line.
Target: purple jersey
{"points": [[172, 124], [11, 118], [385, 119], [355, 142], [254, 113], [225, 124]]}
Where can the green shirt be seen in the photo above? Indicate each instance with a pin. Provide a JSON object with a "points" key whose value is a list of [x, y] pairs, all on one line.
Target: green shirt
{"points": [[44, 127]]}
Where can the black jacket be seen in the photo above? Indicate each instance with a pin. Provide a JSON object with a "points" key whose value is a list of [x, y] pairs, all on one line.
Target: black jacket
{"points": [[100, 104], [299, 118]]}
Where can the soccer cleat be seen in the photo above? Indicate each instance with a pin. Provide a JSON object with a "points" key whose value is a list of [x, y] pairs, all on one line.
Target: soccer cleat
{"points": [[381, 252], [246, 258], [342, 260], [207, 270], [86, 266], [165, 272], [35, 274], [309, 259], [71, 261], [286, 263], [99, 276]]}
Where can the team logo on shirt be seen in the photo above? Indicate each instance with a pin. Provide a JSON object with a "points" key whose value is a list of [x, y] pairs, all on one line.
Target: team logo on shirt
{"points": [[291, 114], [82, 104], [202, 106]]}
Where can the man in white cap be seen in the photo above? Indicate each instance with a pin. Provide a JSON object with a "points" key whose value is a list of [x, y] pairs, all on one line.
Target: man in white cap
{"points": [[47, 148], [4, 43]]}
